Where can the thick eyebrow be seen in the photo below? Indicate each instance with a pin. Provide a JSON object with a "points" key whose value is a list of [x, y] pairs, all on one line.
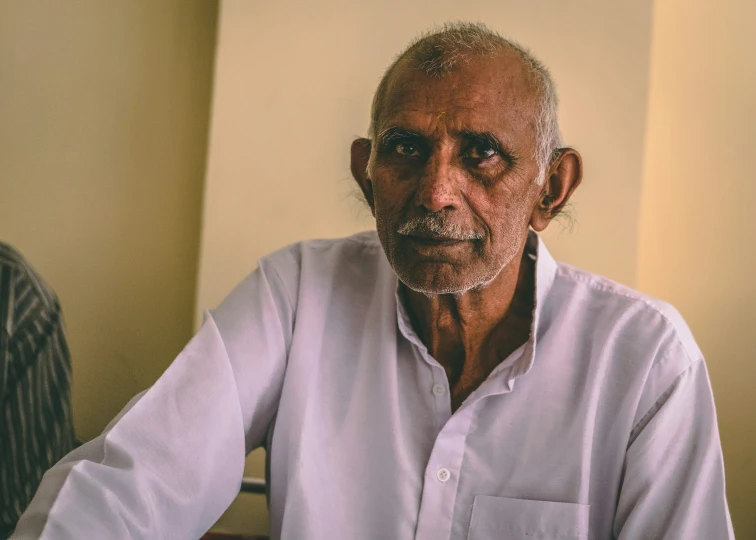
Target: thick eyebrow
{"points": [[486, 138], [394, 134]]}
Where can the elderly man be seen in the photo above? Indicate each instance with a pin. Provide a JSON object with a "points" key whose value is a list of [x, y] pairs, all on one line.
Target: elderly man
{"points": [[443, 379]]}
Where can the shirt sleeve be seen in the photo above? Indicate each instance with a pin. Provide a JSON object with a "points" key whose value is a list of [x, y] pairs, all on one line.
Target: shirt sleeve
{"points": [[172, 461], [673, 480]]}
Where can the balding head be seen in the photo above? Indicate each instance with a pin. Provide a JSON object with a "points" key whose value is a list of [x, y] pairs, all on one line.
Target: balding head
{"points": [[439, 52], [463, 160]]}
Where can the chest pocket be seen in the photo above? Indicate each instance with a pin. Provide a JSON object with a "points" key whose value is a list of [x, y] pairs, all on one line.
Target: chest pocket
{"points": [[521, 519]]}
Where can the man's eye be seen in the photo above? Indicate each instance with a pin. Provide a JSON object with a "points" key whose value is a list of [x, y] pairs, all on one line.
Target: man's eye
{"points": [[480, 152], [407, 149]]}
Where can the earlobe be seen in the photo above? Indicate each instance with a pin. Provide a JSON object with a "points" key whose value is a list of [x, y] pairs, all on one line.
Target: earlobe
{"points": [[541, 217], [360, 157], [565, 174]]}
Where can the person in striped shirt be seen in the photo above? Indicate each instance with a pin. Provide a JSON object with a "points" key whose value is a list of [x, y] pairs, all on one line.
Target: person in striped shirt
{"points": [[36, 426]]}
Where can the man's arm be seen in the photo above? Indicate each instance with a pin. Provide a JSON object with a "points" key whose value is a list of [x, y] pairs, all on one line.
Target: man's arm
{"points": [[673, 485], [172, 461], [36, 428]]}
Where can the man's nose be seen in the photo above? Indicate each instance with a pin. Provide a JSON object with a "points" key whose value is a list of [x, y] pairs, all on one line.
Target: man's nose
{"points": [[439, 189]]}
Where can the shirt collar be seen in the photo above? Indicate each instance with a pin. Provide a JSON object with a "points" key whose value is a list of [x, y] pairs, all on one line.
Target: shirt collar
{"points": [[546, 270], [521, 360]]}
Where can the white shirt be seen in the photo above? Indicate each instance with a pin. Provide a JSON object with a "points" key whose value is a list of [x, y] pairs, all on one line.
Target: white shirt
{"points": [[601, 426]]}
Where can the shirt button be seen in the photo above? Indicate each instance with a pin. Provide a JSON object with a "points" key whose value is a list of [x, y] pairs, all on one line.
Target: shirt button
{"points": [[443, 474], [439, 390]]}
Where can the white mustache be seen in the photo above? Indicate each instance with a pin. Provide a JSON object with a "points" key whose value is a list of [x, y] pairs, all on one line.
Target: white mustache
{"points": [[435, 225]]}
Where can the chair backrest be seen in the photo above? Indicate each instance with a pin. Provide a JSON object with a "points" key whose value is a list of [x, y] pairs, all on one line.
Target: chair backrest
{"points": [[249, 485]]}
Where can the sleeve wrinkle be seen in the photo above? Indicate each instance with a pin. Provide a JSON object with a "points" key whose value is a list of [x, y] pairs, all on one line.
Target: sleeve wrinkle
{"points": [[233, 372], [660, 401], [289, 300], [286, 292]]}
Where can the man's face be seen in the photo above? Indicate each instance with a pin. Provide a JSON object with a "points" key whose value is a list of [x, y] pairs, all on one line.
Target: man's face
{"points": [[453, 173]]}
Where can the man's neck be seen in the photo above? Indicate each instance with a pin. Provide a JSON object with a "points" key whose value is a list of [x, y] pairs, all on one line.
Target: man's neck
{"points": [[470, 334]]}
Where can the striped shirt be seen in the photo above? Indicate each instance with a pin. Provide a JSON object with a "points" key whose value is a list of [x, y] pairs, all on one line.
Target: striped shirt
{"points": [[36, 427]]}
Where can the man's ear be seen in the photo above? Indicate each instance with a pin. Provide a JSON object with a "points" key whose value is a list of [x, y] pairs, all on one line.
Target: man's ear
{"points": [[563, 177], [360, 159]]}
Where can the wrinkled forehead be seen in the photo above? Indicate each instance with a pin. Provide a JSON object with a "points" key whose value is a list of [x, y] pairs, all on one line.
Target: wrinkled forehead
{"points": [[490, 93]]}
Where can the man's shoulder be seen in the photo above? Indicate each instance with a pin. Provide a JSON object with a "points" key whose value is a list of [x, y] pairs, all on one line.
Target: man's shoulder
{"points": [[338, 264], [29, 307], [635, 311], [10, 258], [360, 240], [603, 288], [27, 283], [326, 252]]}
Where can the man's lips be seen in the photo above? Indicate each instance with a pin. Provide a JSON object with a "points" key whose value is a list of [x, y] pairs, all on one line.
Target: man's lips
{"points": [[433, 241]]}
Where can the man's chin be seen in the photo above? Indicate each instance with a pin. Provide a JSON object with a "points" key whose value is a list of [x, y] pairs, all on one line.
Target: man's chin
{"points": [[433, 278], [434, 285]]}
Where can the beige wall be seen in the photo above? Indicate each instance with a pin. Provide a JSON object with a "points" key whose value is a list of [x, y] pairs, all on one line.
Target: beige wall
{"points": [[697, 237], [293, 85], [104, 109]]}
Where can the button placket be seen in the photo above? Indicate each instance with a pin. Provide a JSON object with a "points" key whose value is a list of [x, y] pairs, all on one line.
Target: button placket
{"points": [[442, 478]]}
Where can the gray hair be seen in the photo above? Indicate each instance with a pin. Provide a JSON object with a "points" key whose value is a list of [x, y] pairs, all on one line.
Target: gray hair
{"points": [[438, 51]]}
